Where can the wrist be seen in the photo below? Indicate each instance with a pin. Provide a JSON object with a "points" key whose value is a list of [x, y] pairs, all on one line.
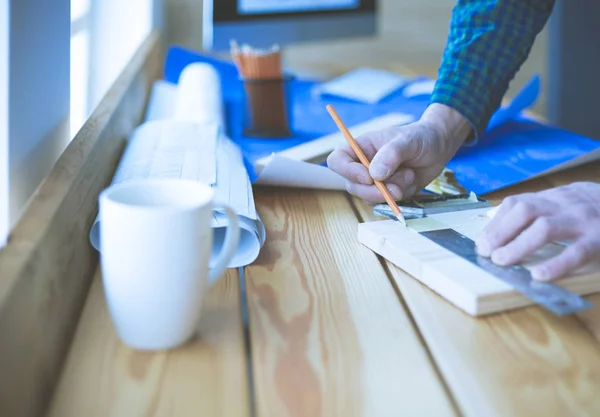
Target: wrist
{"points": [[452, 125]]}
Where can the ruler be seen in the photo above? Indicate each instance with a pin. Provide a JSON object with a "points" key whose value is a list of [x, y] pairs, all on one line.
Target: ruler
{"points": [[550, 296]]}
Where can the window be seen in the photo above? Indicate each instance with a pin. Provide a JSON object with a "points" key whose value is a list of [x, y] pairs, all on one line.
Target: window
{"points": [[83, 45], [3, 122], [80, 58], [104, 36], [117, 30]]}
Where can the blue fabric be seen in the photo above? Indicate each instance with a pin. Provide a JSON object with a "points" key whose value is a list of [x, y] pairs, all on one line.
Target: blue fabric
{"points": [[512, 149], [515, 152]]}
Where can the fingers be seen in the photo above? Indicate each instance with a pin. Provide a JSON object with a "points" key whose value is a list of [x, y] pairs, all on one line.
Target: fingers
{"points": [[507, 224], [390, 156], [371, 194], [344, 162], [542, 231], [507, 205], [573, 257], [526, 223], [400, 185]]}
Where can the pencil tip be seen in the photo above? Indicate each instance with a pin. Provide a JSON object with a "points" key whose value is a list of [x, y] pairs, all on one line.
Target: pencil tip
{"points": [[401, 219]]}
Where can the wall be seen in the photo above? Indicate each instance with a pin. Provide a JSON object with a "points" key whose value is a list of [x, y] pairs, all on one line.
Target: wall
{"points": [[413, 35], [183, 22]]}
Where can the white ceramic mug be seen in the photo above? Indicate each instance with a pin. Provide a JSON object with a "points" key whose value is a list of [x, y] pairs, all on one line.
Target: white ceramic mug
{"points": [[156, 241]]}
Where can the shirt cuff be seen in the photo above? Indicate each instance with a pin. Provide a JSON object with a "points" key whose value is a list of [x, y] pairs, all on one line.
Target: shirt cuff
{"points": [[466, 103]]}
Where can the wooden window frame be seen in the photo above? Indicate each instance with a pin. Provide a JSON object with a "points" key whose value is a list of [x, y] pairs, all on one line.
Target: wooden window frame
{"points": [[48, 263]]}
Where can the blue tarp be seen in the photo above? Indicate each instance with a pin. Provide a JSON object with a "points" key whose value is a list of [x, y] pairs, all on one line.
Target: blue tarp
{"points": [[512, 150]]}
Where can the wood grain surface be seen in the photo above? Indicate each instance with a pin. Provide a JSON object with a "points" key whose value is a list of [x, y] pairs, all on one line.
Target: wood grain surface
{"points": [[462, 283], [48, 264], [329, 335], [206, 377], [334, 330], [588, 172], [522, 363]]}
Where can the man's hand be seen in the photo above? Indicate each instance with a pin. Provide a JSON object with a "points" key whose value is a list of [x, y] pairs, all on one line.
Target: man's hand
{"points": [[526, 222], [405, 158]]}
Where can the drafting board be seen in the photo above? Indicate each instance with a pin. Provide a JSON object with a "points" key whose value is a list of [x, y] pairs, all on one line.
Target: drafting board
{"points": [[458, 281]]}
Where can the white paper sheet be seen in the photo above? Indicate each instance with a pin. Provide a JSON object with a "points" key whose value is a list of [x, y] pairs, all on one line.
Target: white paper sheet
{"points": [[419, 88], [285, 172], [171, 149], [309, 151], [161, 101], [367, 85], [284, 169], [167, 149], [234, 189]]}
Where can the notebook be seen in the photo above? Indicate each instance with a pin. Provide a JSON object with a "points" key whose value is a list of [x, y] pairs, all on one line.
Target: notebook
{"points": [[365, 85]]}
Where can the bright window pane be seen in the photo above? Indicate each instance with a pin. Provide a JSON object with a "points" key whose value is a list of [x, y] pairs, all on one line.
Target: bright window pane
{"points": [[119, 29], [79, 80], [79, 8], [3, 122]]}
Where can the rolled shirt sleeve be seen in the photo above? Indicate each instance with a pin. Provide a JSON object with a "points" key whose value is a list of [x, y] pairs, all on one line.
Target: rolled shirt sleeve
{"points": [[487, 43]]}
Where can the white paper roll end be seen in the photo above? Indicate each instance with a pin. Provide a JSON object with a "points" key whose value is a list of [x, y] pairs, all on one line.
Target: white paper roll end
{"points": [[199, 97]]}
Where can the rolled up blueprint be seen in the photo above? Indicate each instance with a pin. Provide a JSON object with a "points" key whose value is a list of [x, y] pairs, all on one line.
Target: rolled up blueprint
{"points": [[199, 98], [187, 141]]}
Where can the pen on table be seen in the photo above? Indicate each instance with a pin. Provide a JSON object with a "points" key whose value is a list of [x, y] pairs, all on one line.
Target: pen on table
{"points": [[363, 159]]}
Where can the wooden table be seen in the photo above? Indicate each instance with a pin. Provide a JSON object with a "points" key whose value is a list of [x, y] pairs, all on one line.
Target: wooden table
{"points": [[320, 326]]}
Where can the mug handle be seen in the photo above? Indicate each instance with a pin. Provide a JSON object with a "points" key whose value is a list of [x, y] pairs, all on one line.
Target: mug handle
{"points": [[232, 238]]}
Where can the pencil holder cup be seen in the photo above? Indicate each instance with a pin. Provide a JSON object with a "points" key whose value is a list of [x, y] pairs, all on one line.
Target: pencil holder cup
{"points": [[268, 107]]}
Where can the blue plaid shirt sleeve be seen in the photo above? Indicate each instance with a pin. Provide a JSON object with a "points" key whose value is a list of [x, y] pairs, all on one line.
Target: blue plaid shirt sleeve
{"points": [[487, 43]]}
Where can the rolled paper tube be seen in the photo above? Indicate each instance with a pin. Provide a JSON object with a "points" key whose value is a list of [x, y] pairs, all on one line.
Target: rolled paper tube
{"points": [[199, 97]]}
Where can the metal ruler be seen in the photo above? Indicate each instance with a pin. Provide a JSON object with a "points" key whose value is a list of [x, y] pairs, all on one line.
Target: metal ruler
{"points": [[425, 205], [550, 296]]}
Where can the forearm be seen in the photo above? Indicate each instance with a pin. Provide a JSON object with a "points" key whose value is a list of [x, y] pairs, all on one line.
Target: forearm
{"points": [[450, 123], [488, 42]]}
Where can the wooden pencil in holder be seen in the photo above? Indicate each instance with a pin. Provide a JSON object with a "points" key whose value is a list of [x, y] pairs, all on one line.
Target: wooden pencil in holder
{"points": [[268, 107]]}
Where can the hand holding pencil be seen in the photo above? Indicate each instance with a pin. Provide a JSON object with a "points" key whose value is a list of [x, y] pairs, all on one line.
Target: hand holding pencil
{"points": [[407, 158], [363, 159]]}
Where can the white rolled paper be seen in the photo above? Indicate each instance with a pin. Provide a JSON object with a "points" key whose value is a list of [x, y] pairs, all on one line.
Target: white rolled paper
{"points": [[199, 96], [199, 100]]}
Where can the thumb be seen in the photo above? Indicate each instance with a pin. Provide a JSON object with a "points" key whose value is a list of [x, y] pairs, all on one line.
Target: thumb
{"points": [[388, 158]]}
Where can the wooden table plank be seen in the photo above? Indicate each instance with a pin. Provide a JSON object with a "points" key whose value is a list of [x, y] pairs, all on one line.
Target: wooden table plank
{"points": [[329, 335], [588, 172], [522, 363], [525, 187], [207, 377]]}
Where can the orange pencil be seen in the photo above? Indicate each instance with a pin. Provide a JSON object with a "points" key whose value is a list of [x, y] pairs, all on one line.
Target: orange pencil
{"points": [[363, 159]]}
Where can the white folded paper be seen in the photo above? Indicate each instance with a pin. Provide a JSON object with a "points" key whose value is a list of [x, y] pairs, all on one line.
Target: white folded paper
{"points": [[285, 172], [182, 137], [199, 98], [367, 85]]}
